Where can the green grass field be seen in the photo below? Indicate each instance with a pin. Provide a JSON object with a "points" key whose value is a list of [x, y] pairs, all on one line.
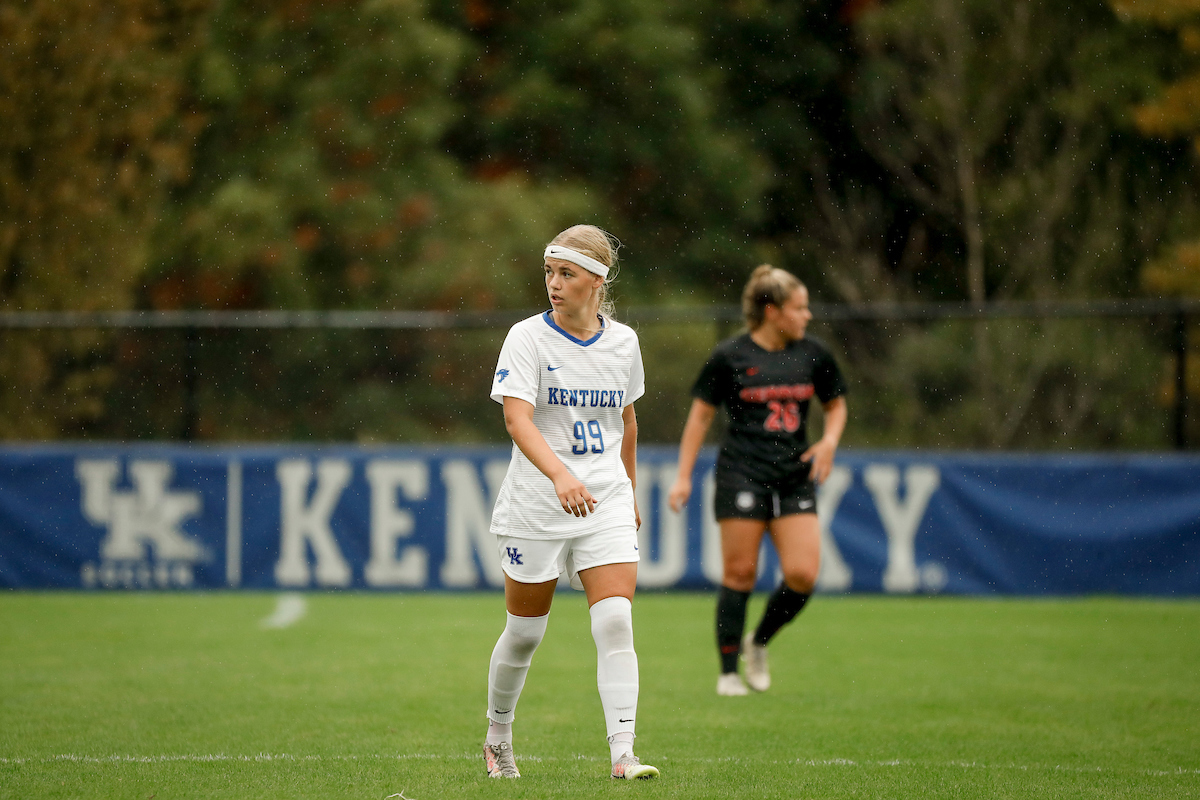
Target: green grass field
{"points": [[186, 695]]}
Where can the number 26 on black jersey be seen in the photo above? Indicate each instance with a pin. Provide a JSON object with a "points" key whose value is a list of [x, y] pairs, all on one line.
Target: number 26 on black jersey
{"points": [[784, 416]]}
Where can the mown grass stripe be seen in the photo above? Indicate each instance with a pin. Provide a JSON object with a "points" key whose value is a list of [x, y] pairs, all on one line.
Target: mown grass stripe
{"points": [[832, 762]]}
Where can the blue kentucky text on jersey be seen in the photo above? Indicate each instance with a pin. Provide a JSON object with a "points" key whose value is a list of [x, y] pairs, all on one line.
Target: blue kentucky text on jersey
{"points": [[502, 374], [514, 556], [588, 398]]}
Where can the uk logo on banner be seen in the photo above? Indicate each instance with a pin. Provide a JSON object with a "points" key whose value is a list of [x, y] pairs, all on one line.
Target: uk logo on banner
{"points": [[144, 545]]}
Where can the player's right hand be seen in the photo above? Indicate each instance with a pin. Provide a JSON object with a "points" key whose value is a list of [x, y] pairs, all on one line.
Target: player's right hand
{"points": [[574, 496], [678, 496]]}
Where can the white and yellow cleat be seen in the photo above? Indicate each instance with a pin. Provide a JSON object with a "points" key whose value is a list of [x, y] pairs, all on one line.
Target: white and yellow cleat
{"points": [[628, 766], [754, 656], [730, 685], [500, 761]]}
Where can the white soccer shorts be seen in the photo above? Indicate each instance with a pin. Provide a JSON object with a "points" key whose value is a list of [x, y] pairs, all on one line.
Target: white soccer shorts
{"points": [[541, 560]]}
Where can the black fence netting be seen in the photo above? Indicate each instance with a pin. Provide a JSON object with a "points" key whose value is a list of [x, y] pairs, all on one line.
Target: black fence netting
{"points": [[1016, 376]]}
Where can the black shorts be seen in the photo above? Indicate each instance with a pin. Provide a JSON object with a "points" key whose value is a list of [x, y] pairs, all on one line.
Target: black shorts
{"points": [[739, 497]]}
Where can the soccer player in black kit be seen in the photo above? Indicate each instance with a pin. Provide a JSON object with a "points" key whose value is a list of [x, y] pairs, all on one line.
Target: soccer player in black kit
{"points": [[767, 473]]}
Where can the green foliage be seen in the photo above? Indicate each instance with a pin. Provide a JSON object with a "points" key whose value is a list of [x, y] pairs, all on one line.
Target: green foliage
{"points": [[1007, 126], [323, 182], [1069, 386], [90, 143], [417, 154], [1004, 123], [786, 67], [622, 96], [1172, 113], [370, 695]]}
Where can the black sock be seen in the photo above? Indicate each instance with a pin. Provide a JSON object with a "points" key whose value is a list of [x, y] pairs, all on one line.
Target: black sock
{"points": [[731, 622], [781, 609]]}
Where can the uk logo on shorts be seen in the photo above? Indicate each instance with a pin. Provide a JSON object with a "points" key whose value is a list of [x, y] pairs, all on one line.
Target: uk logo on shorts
{"points": [[745, 500], [514, 557]]}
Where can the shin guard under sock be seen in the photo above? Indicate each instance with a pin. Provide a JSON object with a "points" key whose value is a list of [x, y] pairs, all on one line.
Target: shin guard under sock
{"points": [[731, 622], [510, 664], [616, 664], [781, 609]]}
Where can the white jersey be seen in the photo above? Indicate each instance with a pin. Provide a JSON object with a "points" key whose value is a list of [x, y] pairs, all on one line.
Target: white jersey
{"points": [[578, 390]]}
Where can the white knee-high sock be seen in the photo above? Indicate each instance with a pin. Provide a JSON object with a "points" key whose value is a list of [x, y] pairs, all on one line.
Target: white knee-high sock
{"points": [[510, 663], [616, 669]]}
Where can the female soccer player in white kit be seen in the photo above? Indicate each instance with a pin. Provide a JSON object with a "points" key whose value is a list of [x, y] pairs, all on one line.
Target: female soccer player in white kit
{"points": [[567, 379]]}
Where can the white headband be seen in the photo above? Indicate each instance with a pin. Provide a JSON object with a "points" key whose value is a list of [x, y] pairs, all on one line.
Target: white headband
{"points": [[575, 257]]}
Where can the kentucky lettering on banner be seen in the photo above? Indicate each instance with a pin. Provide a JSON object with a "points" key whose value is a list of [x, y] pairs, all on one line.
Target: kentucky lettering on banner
{"points": [[270, 517]]}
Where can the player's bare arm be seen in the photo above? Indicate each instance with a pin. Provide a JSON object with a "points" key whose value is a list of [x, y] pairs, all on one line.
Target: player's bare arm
{"points": [[629, 456], [699, 419], [518, 420], [822, 451]]}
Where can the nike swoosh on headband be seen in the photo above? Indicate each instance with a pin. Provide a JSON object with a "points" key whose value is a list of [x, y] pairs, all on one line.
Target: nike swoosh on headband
{"points": [[577, 258]]}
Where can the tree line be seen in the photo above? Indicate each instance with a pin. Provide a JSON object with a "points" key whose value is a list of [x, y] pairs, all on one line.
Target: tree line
{"points": [[417, 154]]}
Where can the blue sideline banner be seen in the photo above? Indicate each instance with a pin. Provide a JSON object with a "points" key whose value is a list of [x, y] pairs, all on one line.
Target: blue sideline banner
{"points": [[274, 517]]}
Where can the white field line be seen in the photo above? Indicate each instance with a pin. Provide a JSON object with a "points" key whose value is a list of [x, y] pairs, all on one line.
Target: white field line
{"points": [[289, 609], [832, 762]]}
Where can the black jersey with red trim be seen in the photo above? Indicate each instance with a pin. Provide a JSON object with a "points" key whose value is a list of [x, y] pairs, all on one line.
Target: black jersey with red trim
{"points": [[766, 394]]}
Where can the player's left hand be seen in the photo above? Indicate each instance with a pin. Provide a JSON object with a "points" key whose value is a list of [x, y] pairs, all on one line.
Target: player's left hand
{"points": [[637, 516], [820, 456]]}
